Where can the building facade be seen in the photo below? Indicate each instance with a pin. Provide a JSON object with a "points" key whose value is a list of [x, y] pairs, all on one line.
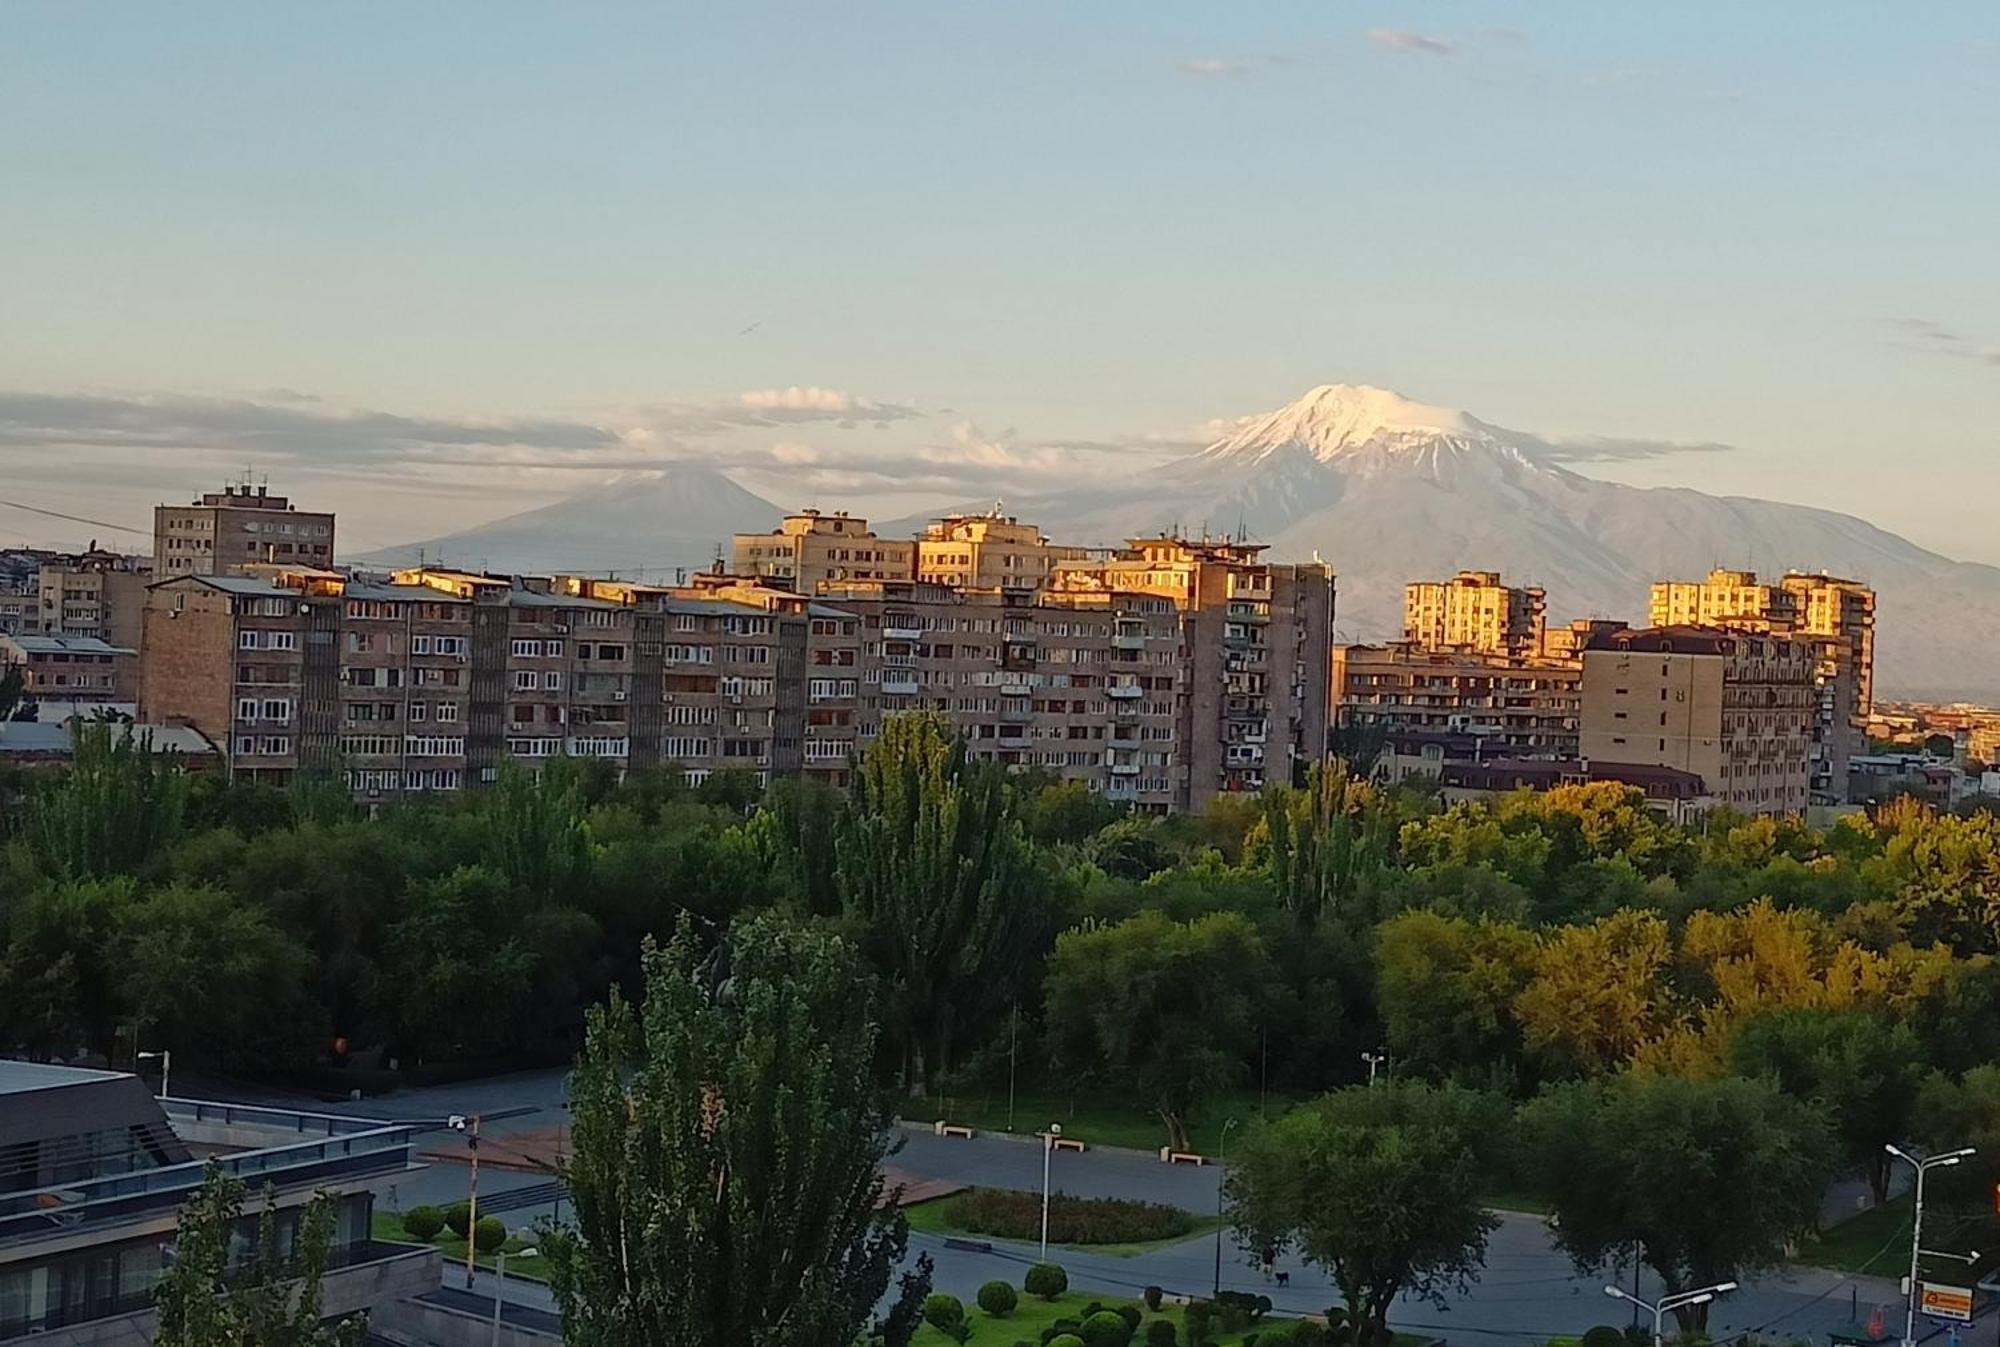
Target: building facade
{"points": [[1474, 611], [80, 670], [1733, 707], [240, 527], [1521, 708]]}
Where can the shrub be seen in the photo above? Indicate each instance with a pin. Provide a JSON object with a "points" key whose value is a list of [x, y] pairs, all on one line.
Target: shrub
{"points": [[998, 1299], [1160, 1333], [1604, 1336], [459, 1217], [1046, 1281], [1008, 1213], [1152, 1295], [1131, 1315], [1060, 1327], [1106, 1329], [1200, 1323], [1065, 1340], [489, 1234], [946, 1313], [424, 1223]]}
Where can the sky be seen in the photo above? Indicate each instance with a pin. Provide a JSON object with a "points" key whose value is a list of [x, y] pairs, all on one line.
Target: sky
{"points": [[431, 264]]}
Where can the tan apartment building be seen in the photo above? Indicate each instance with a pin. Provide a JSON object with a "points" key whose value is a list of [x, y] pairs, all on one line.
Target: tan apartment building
{"points": [[1474, 611], [1569, 642], [241, 526], [1515, 708], [1836, 617], [810, 549], [70, 668], [94, 593], [1734, 707], [989, 551]]}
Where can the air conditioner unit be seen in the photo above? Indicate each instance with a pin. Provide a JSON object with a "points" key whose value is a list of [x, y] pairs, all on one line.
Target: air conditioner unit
{"points": [[618, 696], [560, 628]]}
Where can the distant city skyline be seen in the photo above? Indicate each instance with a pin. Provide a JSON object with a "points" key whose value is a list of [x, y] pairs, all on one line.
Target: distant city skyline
{"points": [[430, 266]]}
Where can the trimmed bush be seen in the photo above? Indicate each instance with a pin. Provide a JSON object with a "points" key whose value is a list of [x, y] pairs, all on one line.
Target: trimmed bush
{"points": [[1131, 1315], [1160, 1333], [1152, 1295], [1200, 1323], [1065, 1340], [1604, 1336], [998, 1299], [946, 1313], [1045, 1281], [489, 1235], [459, 1217], [1106, 1329], [1008, 1213], [424, 1223]]}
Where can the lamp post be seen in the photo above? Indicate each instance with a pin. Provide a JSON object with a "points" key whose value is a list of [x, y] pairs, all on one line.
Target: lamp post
{"points": [[458, 1122], [165, 1057], [1678, 1301], [1379, 1057], [1941, 1161], [1221, 1150], [1048, 1151], [500, 1281]]}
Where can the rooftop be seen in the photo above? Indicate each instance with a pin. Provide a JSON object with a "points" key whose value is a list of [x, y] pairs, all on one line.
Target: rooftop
{"points": [[60, 645], [29, 1077]]}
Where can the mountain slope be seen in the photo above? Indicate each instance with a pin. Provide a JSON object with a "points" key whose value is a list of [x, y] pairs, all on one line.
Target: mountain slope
{"points": [[1390, 490], [655, 521]]}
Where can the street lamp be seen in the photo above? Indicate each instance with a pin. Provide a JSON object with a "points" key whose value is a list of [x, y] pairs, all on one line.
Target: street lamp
{"points": [[1941, 1161], [1048, 1150], [165, 1057], [1221, 1149], [500, 1281], [1679, 1301], [458, 1122], [1379, 1057]]}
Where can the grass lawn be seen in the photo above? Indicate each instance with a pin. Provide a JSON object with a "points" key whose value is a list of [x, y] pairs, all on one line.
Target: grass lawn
{"points": [[1031, 1316], [929, 1217], [1878, 1240], [388, 1229], [1097, 1122]]}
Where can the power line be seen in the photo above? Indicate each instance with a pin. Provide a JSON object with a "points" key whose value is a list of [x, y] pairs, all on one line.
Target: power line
{"points": [[75, 518]]}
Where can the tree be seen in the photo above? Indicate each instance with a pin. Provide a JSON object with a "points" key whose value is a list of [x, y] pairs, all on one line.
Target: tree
{"points": [[1597, 994], [1445, 988], [1951, 1114], [58, 982], [1860, 1069], [1327, 840], [725, 1153], [1709, 1179], [935, 883], [456, 973], [13, 691], [117, 805], [210, 977], [1378, 1185], [1163, 1010], [206, 1298], [536, 834]]}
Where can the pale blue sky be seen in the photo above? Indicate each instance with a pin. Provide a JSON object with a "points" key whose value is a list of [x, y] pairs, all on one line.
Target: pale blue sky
{"points": [[1775, 226]]}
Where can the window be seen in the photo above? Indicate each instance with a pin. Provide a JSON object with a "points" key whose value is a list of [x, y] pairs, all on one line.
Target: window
{"points": [[277, 710], [527, 649], [524, 680], [552, 681]]}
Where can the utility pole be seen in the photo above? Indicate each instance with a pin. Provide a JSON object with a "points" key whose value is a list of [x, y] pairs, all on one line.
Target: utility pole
{"points": [[1917, 1250], [458, 1122], [1221, 1151]]}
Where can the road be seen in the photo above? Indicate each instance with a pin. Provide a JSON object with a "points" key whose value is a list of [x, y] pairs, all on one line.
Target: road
{"points": [[1526, 1293]]}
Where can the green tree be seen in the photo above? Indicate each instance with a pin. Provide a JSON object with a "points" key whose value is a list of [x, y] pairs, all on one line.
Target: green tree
{"points": [[936, 883], [536, 837], [1378, 1185], [457, 971], [1860, 1069], [209, 1298], [13, 691], [117, 805], [211, 978], [1955, 1113], [1327, 840], [1708, 1179], [58, 980], [1598, 994], [1445, 988], [725, 1155], [1163, 1011]]}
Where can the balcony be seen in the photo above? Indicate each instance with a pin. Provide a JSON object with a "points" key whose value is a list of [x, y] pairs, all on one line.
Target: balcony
{"points": [[1125, 769], [1012, 737], [900, 684], [894, 632], [1125, 735], [1128, 641], [1017, 713], [1124, 692]]}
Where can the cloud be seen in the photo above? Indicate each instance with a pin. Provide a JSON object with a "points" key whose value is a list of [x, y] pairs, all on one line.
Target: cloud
{"points": [[1614, 449], [1411, 43], [1934, 338], [1208, 67]]}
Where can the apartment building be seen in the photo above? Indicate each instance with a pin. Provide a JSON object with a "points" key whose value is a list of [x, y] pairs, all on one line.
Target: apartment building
{"points": [[94, 593], [227, 532], [1734, 707], [73, 669], [1569, 642], [1513, 707], [989, 551], [1254, 637], [1474, 611], [1835, 617], [811, 549]]}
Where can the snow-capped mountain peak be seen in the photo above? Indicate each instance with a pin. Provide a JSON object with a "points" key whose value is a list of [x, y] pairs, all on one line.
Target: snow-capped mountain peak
{"points": [[1358, 423]]}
